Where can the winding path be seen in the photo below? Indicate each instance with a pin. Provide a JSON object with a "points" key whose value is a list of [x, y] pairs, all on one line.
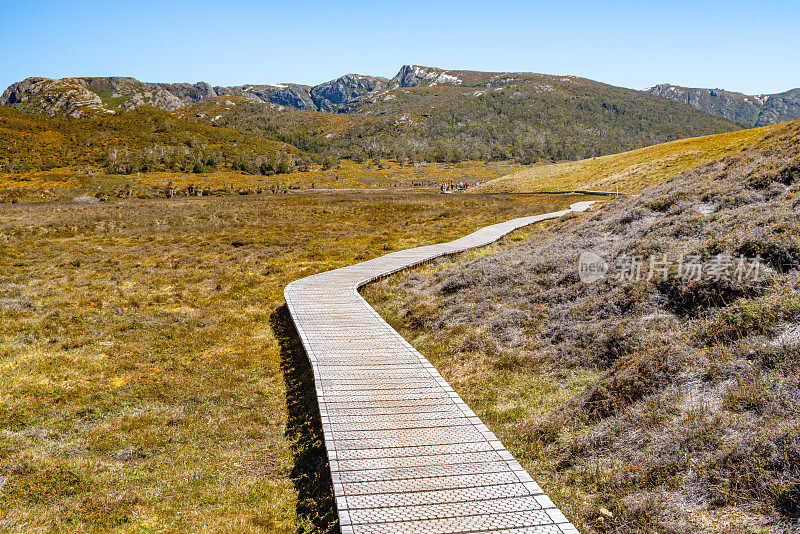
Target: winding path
{"points": [[406, 454]]}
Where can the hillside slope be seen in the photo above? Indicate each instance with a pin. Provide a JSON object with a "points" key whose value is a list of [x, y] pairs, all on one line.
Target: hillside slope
{"points": [[628, 171], [750, 110], [532, 116], [142, 141], [663, 395]]}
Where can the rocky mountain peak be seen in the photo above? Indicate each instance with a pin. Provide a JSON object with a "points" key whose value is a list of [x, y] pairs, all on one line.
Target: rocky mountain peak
{"points": [[89, 96], [415, 76]]}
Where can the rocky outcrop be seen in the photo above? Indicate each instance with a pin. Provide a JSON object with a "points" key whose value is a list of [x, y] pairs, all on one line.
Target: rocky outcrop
{"points": [[129, 93], [78, 97], [334, 95], [289, 95], [750, 110], [188, 93], [67, 96], [781, 107], [414, 76]]}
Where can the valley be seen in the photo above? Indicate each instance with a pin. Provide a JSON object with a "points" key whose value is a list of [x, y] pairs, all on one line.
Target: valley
{"points": [[154, 380]]}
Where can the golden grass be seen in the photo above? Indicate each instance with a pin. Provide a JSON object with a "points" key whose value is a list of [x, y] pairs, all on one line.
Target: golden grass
{"points": [[140, 382], [629, 171]]}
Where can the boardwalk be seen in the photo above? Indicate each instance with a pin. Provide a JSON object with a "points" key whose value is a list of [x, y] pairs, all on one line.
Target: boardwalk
{"points": [[406, 454]]}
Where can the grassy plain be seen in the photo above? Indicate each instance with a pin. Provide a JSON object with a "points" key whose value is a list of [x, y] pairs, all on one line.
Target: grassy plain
{"points": [[141, 387]]}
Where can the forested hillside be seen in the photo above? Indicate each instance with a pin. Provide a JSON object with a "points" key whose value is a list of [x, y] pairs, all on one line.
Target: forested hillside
{"points": [[459, 115]]}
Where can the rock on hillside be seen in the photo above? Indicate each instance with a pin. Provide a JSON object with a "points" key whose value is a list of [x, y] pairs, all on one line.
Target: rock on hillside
{"points": [[129, 93], [414, 76], [781, 107], [290, 95], [79, 97], [69, 96], [188, 93], [336, 94], [751, 110]]}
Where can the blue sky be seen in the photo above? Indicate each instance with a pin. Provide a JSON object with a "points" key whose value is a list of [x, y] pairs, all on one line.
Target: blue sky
{"points": [[745, 46]]}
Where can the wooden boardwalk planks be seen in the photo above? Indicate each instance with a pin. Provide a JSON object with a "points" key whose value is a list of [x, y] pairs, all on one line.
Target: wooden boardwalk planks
{"points": [[406, 454]]}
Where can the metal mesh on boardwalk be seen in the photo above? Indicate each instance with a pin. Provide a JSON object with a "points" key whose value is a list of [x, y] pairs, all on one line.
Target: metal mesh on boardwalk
{"points": [[406, 454]]}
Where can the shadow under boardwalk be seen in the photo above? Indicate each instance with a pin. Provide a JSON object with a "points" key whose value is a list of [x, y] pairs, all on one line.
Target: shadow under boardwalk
{"points": [[311, 475]]}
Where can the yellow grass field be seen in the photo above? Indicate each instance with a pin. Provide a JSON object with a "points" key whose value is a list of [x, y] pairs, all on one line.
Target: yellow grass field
{"points": [[629, 171], [142, 388]]}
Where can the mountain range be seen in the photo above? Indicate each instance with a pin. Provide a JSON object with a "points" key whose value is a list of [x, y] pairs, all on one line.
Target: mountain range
{"points": [[749, 110], [78, 97], [420, 114]]}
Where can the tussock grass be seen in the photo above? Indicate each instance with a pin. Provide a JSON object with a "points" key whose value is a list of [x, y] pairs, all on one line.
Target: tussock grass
{"points": [[628, 171], [639, 406]]}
